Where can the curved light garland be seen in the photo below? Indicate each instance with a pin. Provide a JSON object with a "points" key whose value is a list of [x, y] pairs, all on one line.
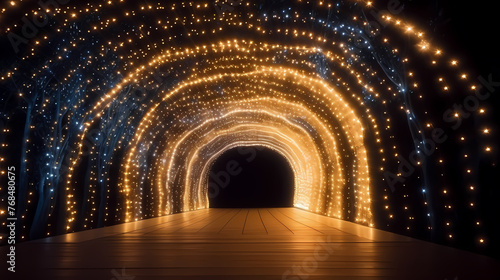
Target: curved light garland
{"points": [[247, 97]]}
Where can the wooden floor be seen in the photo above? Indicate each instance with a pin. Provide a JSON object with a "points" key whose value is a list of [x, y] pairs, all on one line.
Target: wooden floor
{"points": [[275, 243]]}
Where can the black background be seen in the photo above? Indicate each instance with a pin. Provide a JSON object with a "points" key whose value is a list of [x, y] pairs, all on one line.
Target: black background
{"points": [[264, 179]]}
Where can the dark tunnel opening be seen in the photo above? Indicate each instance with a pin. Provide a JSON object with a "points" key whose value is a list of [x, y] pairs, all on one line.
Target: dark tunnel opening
{"points": [[250, 177]]}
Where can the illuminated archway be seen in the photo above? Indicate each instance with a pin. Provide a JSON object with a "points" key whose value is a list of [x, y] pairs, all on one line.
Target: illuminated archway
{"points": [[274, 110], [126, 102]]}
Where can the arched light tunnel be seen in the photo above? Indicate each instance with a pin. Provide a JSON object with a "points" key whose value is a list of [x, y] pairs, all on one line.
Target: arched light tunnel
{"points": [[122, 111], [279, 116]]}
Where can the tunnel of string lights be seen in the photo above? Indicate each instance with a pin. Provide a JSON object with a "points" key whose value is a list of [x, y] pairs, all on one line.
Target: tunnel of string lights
{"points": [[115, 111]]}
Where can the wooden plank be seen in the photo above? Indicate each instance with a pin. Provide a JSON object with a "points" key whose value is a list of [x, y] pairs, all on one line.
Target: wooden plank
{"points": [[295, 226], [349, 227], [244, 244], [253, 223], [273, 226], [235, 226], [218, 225], [204, 220]]}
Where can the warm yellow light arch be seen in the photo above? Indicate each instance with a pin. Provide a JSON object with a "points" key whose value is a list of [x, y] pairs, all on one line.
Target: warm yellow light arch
{"points": [[250, 135], [346, 116], [300, 77], [284, 125], [328, 140]]}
